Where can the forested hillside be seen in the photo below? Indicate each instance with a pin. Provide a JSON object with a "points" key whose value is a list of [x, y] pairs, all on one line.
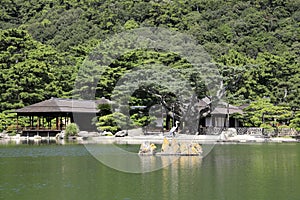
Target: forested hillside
{"points": [[44, 42]]}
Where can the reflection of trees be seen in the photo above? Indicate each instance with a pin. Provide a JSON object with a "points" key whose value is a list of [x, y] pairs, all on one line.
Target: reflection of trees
{"points": [[149, 163], [171, 176], [171, 169]]}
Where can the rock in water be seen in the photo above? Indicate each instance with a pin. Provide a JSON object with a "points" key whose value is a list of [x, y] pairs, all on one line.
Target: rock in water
{"points": [[165, 145], [147, 149], [170, 147], [184, 148], [175, 146], [196, 149]]}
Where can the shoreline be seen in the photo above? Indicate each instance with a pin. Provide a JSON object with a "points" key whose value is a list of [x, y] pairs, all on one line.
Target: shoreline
{"points": [[156, 139]]}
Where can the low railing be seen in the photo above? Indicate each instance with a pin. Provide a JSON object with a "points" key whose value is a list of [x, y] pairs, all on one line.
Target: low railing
{"points": [[286, 132], [211, 130], [249, 131], [153, 130], [34, 128], [255, 131], [25, 130]]}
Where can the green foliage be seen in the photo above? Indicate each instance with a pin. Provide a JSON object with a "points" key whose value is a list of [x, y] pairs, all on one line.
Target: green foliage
{"points": [[267, 127], [141, 120], [105, 109], [113, 122], [249, 26], [42, 44], [8, 121], [295, 123], [72, 129], [30, 71], [12, 130], [262, 113], [131, 24]]}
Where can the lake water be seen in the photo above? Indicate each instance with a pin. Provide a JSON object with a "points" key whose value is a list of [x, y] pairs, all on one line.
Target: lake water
{"points": [[231, 171]]}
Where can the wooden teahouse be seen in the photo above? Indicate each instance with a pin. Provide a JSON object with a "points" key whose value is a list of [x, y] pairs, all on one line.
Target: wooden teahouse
{"points": [[49, 117]]}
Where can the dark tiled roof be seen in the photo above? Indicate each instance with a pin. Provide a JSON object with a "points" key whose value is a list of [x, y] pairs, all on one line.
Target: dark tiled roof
{"points": [[221, 107], [58, 105], [224, 108], [224, 111], [204, 102]]}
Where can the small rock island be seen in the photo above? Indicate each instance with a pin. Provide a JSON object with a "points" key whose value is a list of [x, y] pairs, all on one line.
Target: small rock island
{"points": [[171, 147]]}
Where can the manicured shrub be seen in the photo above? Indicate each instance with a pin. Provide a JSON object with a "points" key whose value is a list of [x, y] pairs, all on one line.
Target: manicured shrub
{"points": [[72, 129], [11, 130]]}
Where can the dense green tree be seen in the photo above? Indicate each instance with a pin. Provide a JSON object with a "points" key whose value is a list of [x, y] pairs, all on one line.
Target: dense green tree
{"points": [[255, 43], [295, 122], [30, 71], [263, 113], [113, 122]]}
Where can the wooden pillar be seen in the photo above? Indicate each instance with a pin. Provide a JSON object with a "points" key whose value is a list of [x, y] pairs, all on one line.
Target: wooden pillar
{"points": [[56, 121], [168, 122], [38, 123], [162, 118], [33, 121], [60, 123], [43, 122], [17, 123]]}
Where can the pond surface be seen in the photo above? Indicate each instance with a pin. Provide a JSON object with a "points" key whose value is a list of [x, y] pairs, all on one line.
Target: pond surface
{"points": [[233, 172]]}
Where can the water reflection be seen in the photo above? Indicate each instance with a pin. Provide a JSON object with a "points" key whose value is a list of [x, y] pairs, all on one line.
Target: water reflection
{"points": [[126, 160], [181, 162], [230, 172], [149, 163], [173, 180], [32, 141], [173, 176]]}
